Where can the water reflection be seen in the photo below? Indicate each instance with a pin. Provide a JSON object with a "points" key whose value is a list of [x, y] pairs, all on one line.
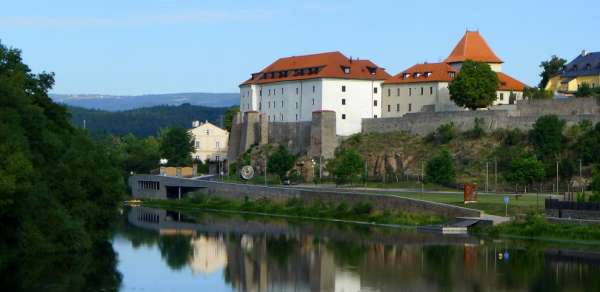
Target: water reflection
{"points": [[259, 254]]}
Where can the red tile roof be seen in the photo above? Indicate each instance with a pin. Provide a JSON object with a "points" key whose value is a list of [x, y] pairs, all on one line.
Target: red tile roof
{"points": [[472, 46], [323, 65], [508, 83], [428, 72]]}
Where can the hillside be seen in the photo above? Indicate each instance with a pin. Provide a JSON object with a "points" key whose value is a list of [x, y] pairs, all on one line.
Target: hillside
{"points": [[127, 102], [143, 121]]}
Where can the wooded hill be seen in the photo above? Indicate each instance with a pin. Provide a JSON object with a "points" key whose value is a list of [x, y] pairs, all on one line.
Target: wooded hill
{"points": [[144, 122]]}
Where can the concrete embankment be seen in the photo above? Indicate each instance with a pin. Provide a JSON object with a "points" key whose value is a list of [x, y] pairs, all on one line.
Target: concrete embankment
{"points": [[162, 186]]}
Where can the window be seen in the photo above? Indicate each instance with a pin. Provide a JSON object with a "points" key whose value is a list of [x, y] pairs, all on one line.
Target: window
{"points": [[375, 103], [451, 74], [501, 96], [389, 92], [374, 89], [421, 90], [218, 145], [343, 116], [217, 158], [282, 90], [389, 108], [296, 90], [269, 104], [313, 101], [296, 104], [343, 101], [430, 90], [375, 116], [313, 88], [410, 92], [410, 107], [296, 117], [397, 107], [281, 117], [260, 92], [282, 103], [346, 69], [398, 91], [343, 88], [197, 144], [207, 132], [259, 105]]}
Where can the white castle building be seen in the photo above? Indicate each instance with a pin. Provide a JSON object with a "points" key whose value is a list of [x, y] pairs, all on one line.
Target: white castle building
{"points": [[292, 88]]}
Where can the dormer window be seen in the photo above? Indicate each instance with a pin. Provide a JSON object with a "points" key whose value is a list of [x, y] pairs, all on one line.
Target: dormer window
{"points": [[451, 74], [372, 70], [588, 66], [574, 68], [406, 75], [416, 75], [346, 69], [427, 74]]}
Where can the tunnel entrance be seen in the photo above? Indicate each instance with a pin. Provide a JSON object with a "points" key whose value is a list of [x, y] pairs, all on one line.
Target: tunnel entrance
{"points": [[173, 192]]}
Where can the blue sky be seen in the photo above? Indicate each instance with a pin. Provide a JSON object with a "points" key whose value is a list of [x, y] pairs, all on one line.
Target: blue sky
{"points": [[161, 46]]}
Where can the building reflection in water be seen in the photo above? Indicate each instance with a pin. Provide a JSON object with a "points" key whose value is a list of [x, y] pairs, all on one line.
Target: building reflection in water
{"points": [[275, 255]]}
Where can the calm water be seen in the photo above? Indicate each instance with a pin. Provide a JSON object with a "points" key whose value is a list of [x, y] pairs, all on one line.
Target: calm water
{"points": [[167, 251], [157, 250]]}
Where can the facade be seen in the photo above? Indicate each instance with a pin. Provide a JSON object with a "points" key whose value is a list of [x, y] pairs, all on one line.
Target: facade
{"points": [[291, 89], [424, 87], [210, 142], [585, 68]]}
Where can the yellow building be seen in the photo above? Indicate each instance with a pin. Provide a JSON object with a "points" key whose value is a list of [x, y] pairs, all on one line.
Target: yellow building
{"points": [[210, 142], [583, 69]]}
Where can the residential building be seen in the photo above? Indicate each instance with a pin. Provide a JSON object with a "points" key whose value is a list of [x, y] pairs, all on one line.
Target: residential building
{"points": [[292, 88], [585, 68], [424, 87], [210, 142]]}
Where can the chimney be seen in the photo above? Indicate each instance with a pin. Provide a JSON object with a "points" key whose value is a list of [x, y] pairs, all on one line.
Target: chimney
{"points": [[584, 53]]}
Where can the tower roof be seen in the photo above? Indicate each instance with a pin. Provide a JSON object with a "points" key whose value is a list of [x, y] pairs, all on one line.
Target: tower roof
{"points": [[473, 47]]}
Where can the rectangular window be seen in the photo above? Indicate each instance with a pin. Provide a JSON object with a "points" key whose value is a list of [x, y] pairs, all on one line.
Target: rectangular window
{"points": [[421, 90], [313, 101], [296, 117], [259, 105], [410, 92], [430, 90], [282, 90], [389, 92], [197, 144], [296, 90], [397, 107], [296, 104], [343, 116], [260, 92], [269, 104], [375, 116], [410, 107], [207, 132], [281, 117], [313, 88], [389, 108], [374, 89], [375, 103], [343, 88], [501, 96], [398, 91], [343, 101], [218, 145], [282, 103]]}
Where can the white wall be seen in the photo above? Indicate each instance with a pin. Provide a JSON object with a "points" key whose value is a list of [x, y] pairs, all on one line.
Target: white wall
{"points": [[209, 145], [410, 99]]}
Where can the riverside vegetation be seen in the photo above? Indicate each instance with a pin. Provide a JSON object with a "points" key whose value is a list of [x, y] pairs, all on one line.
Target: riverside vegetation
{"points": [[363, 212]]}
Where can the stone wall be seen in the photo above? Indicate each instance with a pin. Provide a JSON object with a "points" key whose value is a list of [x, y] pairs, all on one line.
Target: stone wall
{"points": [[572, 110]]}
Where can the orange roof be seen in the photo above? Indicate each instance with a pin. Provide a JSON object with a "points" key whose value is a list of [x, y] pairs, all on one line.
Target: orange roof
{"points": [[472, 46], [428, 72], [323, 65], [508, 83]]}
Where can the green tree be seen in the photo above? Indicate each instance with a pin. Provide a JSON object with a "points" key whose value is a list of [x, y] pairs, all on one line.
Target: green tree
{"points": [[587, 146], [176, 146], [347, 166], [584, 90], [547, 136], [59, 190], [443, 134], [228, 117], [140, 155], [595, 186], [537, 93], [475, 86], [525, 170], [281, 161], [440, 168], [550, 68]]}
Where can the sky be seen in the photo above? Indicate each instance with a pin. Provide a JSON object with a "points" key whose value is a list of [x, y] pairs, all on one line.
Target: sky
{"points": [[135, 47]]}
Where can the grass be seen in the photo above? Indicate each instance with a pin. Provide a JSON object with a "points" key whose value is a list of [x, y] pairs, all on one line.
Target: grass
{"points": [[536, 226], [362, 212], [490, 204]]}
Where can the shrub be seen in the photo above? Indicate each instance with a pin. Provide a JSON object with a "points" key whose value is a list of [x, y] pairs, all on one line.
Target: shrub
{"points": [[348, 166], [440, 168], [443, 134], [362, 208], [584, 90], [547, 136], [477, 131]]}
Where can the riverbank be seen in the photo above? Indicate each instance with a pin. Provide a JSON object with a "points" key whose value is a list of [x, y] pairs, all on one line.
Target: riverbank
{"points": [[361, 212], [535, 226]]}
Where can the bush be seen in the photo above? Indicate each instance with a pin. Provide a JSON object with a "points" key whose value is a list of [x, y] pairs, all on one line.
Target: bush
{"points": [[362, 208], [440, 168], [347, 166], [584, 90], [443, 134], [477, 131], [547, 136], [280, 162]]}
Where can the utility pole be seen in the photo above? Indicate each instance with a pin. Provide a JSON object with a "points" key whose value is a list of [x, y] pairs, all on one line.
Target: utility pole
{"points": [[486, 176]]}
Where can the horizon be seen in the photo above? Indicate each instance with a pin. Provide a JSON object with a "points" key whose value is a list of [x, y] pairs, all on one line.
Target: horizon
{"points": [[166, 47]]}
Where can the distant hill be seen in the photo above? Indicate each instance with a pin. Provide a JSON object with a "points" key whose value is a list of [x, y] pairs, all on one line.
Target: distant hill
{"points": [[144, 121], [127, 102]]}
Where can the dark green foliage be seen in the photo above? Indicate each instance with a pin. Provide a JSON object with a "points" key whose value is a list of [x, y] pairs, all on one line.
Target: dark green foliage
{"points": [[566, 168], [587, 146], [59, 191], [228, 117], [475, 86], [347, 165], [550, 69], [477, 131], [143, 122], [176, 145], [537, 93], [525, 170], [362, 208], [281, 161], [595, 186], [547, 136], [443, 134], [440, 168], [138, 155], [584, 90]]}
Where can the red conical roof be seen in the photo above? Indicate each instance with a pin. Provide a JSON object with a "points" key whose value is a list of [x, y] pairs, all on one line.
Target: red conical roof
{"points": [[473, 47]]}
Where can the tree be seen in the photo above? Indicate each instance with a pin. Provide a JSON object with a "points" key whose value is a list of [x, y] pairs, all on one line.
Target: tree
{"points": [[525, 170], [228, 117], [443, 134], [587, 146], [584, 90], [440, 168], [281, 161], [547, 136], [550, 68], [537, 93], [347, 166], [475, 86], [176, 146], [140, 155]]}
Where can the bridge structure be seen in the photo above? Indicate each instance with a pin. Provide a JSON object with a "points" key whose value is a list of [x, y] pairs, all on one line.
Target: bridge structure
{"points": [[165, 187]]}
